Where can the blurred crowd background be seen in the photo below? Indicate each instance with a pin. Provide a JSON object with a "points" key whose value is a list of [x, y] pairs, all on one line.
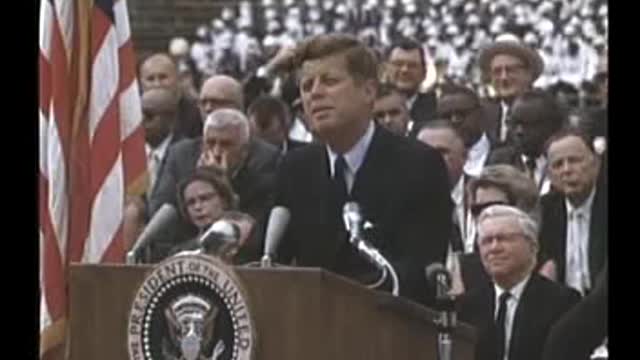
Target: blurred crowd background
{"points": [[571, 36]]}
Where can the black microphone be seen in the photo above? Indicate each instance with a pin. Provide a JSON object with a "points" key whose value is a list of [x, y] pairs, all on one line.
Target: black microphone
{"points": [[278, 222], [439, 277], [165, 218], [352, 217], [221, 236]]}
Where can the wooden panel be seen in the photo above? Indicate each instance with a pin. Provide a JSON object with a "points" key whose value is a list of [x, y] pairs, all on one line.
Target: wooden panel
{"points": [[298, 313]]}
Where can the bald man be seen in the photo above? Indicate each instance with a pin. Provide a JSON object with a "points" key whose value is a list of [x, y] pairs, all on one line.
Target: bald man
{"points": [[220, 91], [159, 71]]}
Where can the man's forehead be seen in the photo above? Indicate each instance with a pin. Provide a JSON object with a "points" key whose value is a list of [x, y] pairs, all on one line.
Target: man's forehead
{"points": [[400, 53], [393, 99], [454, 101], [158, 65], [332, 64], [566, 145], [506, 59]]}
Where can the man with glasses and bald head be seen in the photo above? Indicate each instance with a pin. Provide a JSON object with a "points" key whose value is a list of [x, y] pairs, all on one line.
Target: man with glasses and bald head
{"points": [[514, 312]]}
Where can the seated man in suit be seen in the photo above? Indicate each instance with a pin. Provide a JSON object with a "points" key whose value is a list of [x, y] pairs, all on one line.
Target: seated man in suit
{"points": [[408, 69], [160, 71], [249, 163], [390, 110], [159, 117], [574, 219], [462, 107], [400, 184], [514, 313], [272, 119], [442, 136], [534, 118]]}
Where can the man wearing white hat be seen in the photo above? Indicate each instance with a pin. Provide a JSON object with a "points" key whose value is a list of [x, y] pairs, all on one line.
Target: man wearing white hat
{"points": [[511, 68]]}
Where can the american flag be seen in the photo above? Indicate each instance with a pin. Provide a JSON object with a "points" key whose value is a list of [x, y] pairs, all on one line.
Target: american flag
{"points": [[91, 146]]}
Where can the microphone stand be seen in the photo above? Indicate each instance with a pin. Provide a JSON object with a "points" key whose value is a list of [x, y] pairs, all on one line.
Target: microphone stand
{"points": [[445, 323], [379, 260]]}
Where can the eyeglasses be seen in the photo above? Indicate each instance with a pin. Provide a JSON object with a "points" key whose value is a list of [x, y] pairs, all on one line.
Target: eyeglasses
{"points": [[500, 238], [508, 69], [476, 209]]}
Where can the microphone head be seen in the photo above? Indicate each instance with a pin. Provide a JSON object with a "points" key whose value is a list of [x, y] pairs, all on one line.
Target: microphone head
{"points": [[434, 270], [351, 215], [221, 230]]}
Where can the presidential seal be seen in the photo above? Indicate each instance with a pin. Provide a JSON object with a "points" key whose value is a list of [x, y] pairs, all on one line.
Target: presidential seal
{"points": [[191, 307]]}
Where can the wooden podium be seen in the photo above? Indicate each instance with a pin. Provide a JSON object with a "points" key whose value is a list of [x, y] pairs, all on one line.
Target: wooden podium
{"points": [[299, 313]]}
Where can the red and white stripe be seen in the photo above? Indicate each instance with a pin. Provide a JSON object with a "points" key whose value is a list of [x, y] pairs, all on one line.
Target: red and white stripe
{"points": [[91, 145]]}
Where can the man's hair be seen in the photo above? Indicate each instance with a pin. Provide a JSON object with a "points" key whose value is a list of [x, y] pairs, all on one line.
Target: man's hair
{"points": [[521, 191], [553, 114], [438, 124], [360, 60], [527, 224], [570, 131], [407, 45], [387, 89], [270, 106], [223, 118], [217, 178], [455, 89]]}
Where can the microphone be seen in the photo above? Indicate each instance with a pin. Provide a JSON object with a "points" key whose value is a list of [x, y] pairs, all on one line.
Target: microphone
{"points": [[352, 217], [278, 221], [439, 277], [163, 219], [221, 236]]}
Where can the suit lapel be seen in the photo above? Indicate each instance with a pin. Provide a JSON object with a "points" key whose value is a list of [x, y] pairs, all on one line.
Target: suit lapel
{"points": [[597, 234], [523, 320]]}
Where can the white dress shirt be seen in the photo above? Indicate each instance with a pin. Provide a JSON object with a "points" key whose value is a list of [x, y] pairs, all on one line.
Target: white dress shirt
{"points": [[477, 156], [539, 174], [503, 121], [577, 273], [354, 157], [512, 306], [155, 156]]}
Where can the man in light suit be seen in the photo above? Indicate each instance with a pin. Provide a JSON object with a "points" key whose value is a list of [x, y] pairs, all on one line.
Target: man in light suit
{"points": [[514, 313], [400, 184], [574, 219]]}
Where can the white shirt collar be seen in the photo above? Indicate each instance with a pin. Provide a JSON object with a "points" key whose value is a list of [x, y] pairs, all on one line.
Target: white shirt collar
{"points": [[457, 194], [354, 156], [477, 156], [515, 291], [411, 101], [159, 150], [585, 208]]}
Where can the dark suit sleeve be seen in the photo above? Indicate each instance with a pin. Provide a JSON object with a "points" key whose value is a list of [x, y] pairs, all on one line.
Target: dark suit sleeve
{"points": [[425, 228], [578, 332], [282, 197]]}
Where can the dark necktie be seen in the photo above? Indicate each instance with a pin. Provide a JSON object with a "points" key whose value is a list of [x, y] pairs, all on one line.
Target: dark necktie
{"points": [[339, 181], [500, 324], [530, 163]]}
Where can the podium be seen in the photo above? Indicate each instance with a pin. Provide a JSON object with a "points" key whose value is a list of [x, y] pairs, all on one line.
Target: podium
{"points": [[299, 313]]}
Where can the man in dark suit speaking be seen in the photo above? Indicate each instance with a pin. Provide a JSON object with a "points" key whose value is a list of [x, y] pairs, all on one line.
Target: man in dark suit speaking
{"points": [[400, 184]]}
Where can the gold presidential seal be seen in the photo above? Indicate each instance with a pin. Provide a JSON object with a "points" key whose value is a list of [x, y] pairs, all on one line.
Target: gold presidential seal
{"points": [[191, 307]]}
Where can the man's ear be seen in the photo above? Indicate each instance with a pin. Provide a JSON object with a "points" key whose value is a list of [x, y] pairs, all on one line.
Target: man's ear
{"points": [[371, 89]]}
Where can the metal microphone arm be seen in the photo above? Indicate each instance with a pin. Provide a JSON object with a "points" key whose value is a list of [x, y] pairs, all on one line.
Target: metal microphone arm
{"points": [[377, 259]]}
